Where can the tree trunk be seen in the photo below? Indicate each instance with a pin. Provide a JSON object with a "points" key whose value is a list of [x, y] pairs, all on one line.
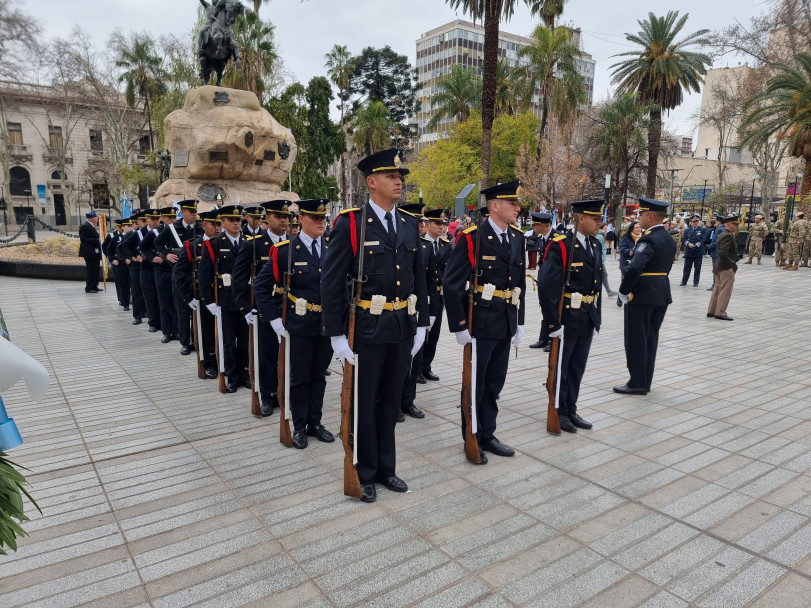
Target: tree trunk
{"points": [[806, 185], [654, 142], [149, 121], [489, 87], [544, 118]]}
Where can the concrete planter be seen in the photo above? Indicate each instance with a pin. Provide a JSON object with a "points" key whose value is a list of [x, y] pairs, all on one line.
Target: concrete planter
{"points": [[45, 270]]}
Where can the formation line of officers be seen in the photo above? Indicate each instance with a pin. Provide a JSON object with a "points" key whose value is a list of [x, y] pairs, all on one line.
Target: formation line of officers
{"points": [[233, 277]]}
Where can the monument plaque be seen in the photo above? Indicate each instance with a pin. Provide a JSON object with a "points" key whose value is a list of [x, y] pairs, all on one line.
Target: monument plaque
{"points": [[181, 158]]}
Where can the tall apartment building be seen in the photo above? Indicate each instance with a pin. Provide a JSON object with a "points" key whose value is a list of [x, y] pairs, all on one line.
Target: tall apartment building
{"points": [[462, 43]]}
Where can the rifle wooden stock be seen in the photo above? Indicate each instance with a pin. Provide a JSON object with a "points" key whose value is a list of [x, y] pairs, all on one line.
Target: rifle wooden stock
{"points": [[220, 375], [255, 405], [201, 366], [468, 398], [285, 436], [351, 480], [552, 420]]}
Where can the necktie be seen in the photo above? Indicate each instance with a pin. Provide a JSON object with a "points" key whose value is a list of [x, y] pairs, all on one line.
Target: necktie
{"points": [[389, 224], [436, 249], [504, 240], [315, 252]]}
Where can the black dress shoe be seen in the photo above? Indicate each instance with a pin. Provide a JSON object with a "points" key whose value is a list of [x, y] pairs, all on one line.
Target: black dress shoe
{"points": [[627, 390], [394, 483], [682, 284], [299, 440], [136, 321], [231, 387], [165, 339], [537, 344], [547, 348], [246, 382], [494, 446], [127, 308], [400, 416], [724, 317], [413, 411], [185, 349], [482, 458], [429, 375], [710, 315], [92, 290], [421, 380], [327, 373], [211, 373], [368, 492], [153, 329], [268, 405], [320, 433], [566, 424], [579, 422]]}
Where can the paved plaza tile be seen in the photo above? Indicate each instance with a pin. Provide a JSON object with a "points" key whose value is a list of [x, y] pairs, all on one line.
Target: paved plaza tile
{"points": [[159, 491]]}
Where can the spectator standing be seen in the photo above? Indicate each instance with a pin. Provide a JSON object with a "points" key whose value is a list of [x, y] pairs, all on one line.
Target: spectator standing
{"points": [[693, 240], [724, 269]]}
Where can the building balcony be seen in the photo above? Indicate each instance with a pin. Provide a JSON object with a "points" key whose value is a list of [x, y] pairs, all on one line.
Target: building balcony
{"points": [[20, 153], [53, 154]]}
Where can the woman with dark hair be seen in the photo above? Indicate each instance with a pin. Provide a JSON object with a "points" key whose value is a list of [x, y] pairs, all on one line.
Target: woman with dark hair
{"points": [[627, 244]]}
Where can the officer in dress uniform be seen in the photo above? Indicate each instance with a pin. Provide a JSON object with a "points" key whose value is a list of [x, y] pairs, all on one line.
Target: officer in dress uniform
{"points": [[253, 215], [121, 273], [545, 235], [187, 287], [645, 290], [220, 254], [252, 257], [169, 245], [310, 351], [149, 232], [498, 312], [581, 306], [163, 275], [436, 250], [392, 316], [127, 251]]}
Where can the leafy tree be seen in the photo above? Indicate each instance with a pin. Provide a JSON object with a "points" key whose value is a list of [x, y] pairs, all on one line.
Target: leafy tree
{"points": [[323, 142], [441, 171], [659, 72], [383, 75], [460, 91], [374, 128], [290, 109], [19, 35], [257, 47], [337, 64]]}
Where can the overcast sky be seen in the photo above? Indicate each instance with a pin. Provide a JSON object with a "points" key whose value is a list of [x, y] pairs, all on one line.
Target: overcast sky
{"points": [[306, 30]]}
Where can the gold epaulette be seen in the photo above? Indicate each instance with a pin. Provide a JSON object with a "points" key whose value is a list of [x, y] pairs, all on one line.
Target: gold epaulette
{"points": [[516, 228], [348, 210], [558, 237], [250, 238], [469, 230], [423, 238], [444, 240], [280, 243], [647, 232]]}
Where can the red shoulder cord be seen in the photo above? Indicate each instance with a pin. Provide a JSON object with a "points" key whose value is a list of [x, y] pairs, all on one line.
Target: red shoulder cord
{"points": [[275, 256], [471, 256], [188, 252], [210, 250]]}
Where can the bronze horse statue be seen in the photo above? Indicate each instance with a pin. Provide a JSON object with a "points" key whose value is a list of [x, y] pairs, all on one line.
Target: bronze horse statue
{"points": [[215, 42]]}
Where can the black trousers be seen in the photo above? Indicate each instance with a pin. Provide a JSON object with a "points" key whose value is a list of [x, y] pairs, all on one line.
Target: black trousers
{"points": [[410, 383], [543, 336], [150, 293], [91, 264], [642, 325], [309, 359], [492, 357], [693, 263], [166, 301], [207, 322], [572, 366], [235, 344], [138, 304], [381, 373], [429, 348], [121, 274], [268, 359], [183, 313]]}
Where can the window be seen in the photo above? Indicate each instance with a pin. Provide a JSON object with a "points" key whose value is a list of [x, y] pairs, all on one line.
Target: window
{"points": [[55, 137], [20, 181], [56, 175], [96, 144], [143, 144], [101, 195], [15, 133]]}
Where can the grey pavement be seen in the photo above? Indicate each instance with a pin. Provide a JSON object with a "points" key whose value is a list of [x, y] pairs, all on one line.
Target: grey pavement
{"points": [[158, 491]]}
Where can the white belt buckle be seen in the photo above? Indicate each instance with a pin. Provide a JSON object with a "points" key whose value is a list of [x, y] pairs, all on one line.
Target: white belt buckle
{"points": [[487, 291], [516, 299], [376, 307], [412, 304], [226, 280], [577, 300], [301, 307]]}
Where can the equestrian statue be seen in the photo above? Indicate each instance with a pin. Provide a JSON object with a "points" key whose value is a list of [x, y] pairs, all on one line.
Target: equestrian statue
{"points": [[215, 42]]}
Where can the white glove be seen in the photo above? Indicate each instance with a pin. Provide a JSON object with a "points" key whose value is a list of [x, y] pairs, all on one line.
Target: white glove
{"points": [[193, 304], [249, 317], [214, 309], [519, 336], [463, 337], [557, 333], [278, 327], [419, 340], [431, 321], [341, 347], [623, 297]]}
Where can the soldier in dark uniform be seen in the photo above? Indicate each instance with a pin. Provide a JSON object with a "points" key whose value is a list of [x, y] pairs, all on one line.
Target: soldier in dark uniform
{"points": [[169, 245], [533, 244], [253, 221], [163, 275], [220, 254], [436, 251], [645, 290], [581, 307], [127, 252], [121, 273], [188, 289], [498, 312], [252, 257], [153, 220], [386, 338], [310, 351], [544, 235]]}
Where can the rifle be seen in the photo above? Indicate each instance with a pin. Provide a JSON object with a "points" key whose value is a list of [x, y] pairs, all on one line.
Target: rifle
{"points": [[349, 385], [196, 321], [218, 328], [468, 397], [282, 392], [103, 232], [253, 342], [555, 351]]}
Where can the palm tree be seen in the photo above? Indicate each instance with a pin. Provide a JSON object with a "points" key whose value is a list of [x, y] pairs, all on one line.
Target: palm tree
{"points": [[783, 111], [143, 74], [659, 72], [373, 128], [338, 71], [490, 12], [258, 3], [548, 10], [258, 50], [553, 54], [459, 92]]}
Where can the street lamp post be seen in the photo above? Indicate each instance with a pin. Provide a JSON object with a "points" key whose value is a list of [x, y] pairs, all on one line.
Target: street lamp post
{"points": [[752, 200], [703, 197], [672, 175]]}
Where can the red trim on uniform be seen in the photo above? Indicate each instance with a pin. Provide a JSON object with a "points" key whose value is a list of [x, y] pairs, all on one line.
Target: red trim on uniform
{"points": [[210, 250], [188, 251], [353, 232], [471, 256], [275, 256]]}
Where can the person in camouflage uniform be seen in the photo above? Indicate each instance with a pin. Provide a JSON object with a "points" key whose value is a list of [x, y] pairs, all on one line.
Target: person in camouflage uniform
{"points": [[805, 246], [757, 234], [779, 242], [796, 237]]}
